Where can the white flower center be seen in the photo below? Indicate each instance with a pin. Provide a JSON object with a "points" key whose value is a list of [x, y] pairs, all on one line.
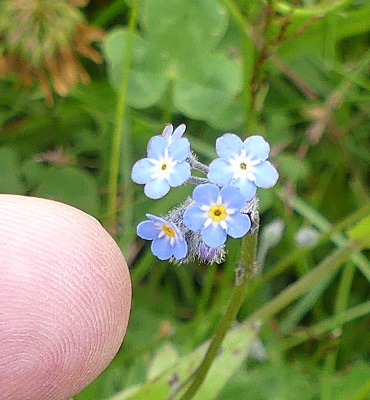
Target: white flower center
{"points": [[163, 167], [243, 167]]}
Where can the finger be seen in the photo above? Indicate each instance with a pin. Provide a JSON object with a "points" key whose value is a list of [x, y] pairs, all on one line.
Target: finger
{"points": [[65, 297]]}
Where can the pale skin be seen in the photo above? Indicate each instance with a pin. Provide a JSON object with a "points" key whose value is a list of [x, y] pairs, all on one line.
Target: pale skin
{"points": [[65, 296]]}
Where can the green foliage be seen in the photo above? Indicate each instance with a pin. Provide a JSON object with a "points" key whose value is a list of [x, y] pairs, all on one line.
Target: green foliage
{"points": [[167, 366], [296, 74], [10, 181], [361, 232], [177, 58], [82, 188]]}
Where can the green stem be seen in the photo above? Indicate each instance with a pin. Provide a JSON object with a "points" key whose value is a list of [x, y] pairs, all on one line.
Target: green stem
{"points": [[340, 306], [291, 258], [241, 21], [323, 225], [168, 104], [248, 253], [284, 7], [325, 268], [109, 13], [120, 134], [327, 325]]}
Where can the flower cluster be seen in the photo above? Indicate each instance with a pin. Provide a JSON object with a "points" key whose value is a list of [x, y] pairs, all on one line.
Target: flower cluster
{"points": [[223, 204]]}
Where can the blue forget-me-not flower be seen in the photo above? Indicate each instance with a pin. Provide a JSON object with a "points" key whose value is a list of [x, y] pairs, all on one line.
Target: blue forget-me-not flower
{"points": [[167, 240], [217, 214], [171, 134], [242, 164], [164, 167], [223, 203]]}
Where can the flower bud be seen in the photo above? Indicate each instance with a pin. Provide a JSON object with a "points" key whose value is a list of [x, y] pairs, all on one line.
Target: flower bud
{"points": [[272, 233], [307, 236]]}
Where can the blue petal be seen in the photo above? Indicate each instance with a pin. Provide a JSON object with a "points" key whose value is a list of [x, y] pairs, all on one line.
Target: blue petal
{"points": [[232, 197], [180, 249], [247, 188], [229, 145], [194, 218], [180, 174], [206, 194], [154, 218], [179, 131], [156, 147], [220, 172], [214, 236], [147, 230], [238, 225], [141, 171], [257, 148], [265, 174], [167, 131], [156, 188], [179, 149], [162, 248]]}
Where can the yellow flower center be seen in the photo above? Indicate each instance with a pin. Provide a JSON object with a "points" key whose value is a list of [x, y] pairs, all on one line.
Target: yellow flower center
{"points": [[168, 231], [243, 166], [217, 212]]}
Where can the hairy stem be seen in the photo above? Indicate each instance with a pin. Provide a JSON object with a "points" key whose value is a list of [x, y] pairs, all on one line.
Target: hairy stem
{"points": [[196, 180], [248, 253]]}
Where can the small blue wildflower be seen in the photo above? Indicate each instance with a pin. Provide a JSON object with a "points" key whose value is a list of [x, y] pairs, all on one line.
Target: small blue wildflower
{"points": [[167, 240], [164, 167], [242, 164], [217, 214], [171, 134]]}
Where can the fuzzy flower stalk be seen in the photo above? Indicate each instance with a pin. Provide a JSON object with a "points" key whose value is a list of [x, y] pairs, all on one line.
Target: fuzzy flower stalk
{"points": [[223, 203]]}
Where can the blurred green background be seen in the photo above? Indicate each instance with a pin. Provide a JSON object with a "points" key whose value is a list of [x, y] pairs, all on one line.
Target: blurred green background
{"points": [[81, 94]]}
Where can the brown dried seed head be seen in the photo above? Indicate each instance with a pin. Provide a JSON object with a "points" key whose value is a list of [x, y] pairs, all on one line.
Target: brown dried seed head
{"points": [[42, 41]]}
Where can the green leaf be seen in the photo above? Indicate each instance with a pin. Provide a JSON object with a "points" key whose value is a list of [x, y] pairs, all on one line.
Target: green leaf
{"points": [[273, 380], [347, 385], [182, 28], [32, 170], [206, 85], [235, 349], [178, 48], [164, 358], [323, 225], [147, 81], [234, 352], [10, 180], [361, 232], [229, 119], [72, 186]]}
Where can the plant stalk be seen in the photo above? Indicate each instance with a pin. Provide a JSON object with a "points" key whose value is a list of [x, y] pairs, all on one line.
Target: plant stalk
{"points": [[122, 135], [248, 254], [291, 293]]}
